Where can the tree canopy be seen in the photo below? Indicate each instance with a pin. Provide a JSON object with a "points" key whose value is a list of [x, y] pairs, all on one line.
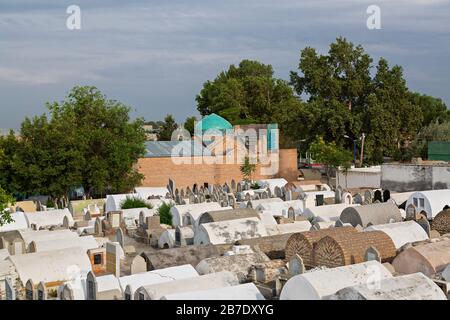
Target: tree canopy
{"points": [[167, 128], [86, 140]]}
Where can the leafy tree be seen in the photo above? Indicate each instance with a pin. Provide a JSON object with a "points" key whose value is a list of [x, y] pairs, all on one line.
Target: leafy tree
{"points": [[247, 169], [189, 124], [249, 93], [330, 155], [85, 140], [133, 202], [433, 132], [433, 109], [5, 201], [167, 128], [164, 213]]}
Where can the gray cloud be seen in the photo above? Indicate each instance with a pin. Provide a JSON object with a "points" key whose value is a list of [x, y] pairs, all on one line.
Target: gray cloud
{"points": [[155, 55]]}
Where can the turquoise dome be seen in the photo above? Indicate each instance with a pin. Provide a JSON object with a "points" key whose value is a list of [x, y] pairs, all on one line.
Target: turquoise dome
{"points": [[213, 121]]}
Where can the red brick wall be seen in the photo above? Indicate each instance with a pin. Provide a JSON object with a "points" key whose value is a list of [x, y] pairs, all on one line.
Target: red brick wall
{"points": [[157, 171]]}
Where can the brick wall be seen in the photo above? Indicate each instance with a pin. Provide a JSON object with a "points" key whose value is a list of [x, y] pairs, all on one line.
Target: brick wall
{"points": [[157, 171]]}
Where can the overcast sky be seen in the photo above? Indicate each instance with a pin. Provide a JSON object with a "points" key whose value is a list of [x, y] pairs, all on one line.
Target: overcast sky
{"points": [[155, 55]]}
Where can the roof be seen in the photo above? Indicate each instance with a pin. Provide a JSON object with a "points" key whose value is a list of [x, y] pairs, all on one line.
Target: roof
{"points": [[137, 280], [44, 235], [407, 287], [85, 242], [213, 121], [49, 218], [51, 266], [316, 285], [246, 291], [376, 213], [186, 148], [401, 233], [20, 222], [229, 231], [208, 281], [327, 212]]}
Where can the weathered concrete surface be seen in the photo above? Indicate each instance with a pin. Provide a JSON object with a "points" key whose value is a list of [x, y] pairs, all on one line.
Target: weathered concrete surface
{"points": [[409, 287]]}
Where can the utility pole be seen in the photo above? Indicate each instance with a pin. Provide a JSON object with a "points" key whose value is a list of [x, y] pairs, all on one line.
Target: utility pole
{"points": [[363, 137]]}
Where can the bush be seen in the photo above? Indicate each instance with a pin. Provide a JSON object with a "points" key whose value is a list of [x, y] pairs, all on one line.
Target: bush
{"points": [[255, 186], [131, 203], [164, 213]]}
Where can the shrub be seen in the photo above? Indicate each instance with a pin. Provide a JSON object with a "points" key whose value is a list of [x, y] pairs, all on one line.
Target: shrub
{"points": [[164, 213], [132, 202]]}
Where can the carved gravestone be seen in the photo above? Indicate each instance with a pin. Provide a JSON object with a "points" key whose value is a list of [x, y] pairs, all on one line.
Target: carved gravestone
{"points": [[195, 188], [347, 198], [372, 254], [249, 205], [296, 265], [423, 222], [247, 197], [66, 222], [291, 212], [178, 199], [226, 188], [320, 200], [338, 195], [386, 195], [98, 230], [29, 290], [196, 200], [256, 197], [172, 187], [182, 193], [114, 218], [377, 196], [191, 198], [9, 289], [411, 212], [368, 196], [113, 258], [138, 265], [269, 193], [188, 191], [239, 188], [264, 195], [41, 291], [277, 191], [119, 237], [233, 186], [232, 200], [358, 199]]}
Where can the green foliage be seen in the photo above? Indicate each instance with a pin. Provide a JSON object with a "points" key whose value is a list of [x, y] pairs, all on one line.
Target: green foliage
{"points": [[247, 169], [86, 140], [249, 93], [164, 213], [255, 186], [133, 202], [433, 132], [6, 200], [330, 154], [167, 128], [189, 124]]}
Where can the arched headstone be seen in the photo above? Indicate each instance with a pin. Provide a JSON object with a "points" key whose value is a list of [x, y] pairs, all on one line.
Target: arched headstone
{"points": [[98, 230], [347, 198], [233, 186], [9, 289], [239, 187], [291, 213], [358, 199], [269, 193], [264, 195], [296, 265], [338, 194], [119, 237], [368, 196], [277, 191], [386, 195], [41, 291], [249, 205], [372, 254], [138, 265], [66, 222], [411, 212], [424, 223], [29, 290], [377, 196], [182, 193], [288, 195], [91, 286]]}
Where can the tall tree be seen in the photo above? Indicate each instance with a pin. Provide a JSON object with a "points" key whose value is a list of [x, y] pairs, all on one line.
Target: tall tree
{"points": [[86, 140], [167, 128], [189, 124]]}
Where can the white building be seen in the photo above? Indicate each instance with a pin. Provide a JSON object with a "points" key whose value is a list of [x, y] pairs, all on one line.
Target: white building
{"points": [[432, 201]]}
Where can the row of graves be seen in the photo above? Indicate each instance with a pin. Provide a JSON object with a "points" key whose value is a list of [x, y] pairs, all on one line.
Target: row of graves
{"points": [[234, 241]]}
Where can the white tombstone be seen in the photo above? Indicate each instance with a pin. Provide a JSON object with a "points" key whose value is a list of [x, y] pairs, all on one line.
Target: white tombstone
{"points": [[119, 237], [113, 258], [9, 288], [296, 265], [138, 265]]}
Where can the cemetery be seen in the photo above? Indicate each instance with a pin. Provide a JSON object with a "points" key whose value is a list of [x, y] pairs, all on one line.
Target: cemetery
{"points": [[280, 241]]}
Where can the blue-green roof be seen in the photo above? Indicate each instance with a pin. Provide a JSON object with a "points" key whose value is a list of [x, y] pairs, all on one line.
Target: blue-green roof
{"points": [[213, 121]]}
